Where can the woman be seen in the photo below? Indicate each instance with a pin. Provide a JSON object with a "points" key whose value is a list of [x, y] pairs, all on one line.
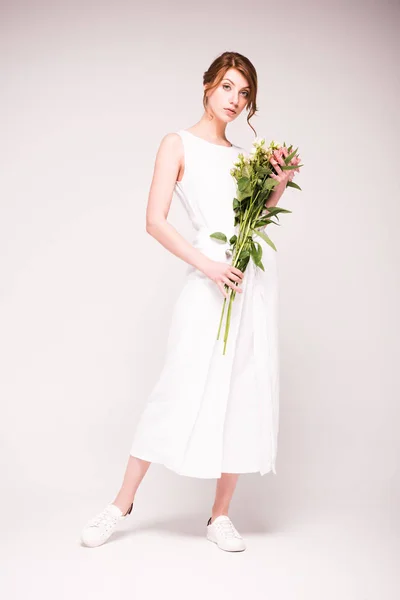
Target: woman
{"points": [[210, 415]]}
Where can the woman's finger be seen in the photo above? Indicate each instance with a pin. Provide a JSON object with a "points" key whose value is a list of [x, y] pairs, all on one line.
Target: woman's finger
{"points": [[279, 158], [231, 285], [237, 271], [233, 276], [235, 287], [221, 287], [276, 166]]}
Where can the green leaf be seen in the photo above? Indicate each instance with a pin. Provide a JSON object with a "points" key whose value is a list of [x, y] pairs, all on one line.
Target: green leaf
{"points": [[264, 222], [254, 256], [218, 235], [290, 167], [263, 170], [264, 236], [233, 239], [243, 195], [242, 264], [243, 184], [294, 185], [263, 197], [289, 157], [270, 183], [259, 251], [273, 210], [256, 252]]}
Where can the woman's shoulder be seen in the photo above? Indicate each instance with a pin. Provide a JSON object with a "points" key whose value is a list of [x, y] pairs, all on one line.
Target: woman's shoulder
{"points": [[170, 143], [170, 138]]}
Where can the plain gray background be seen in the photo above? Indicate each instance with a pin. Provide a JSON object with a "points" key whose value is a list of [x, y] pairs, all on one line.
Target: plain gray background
{"points": [[88, 91]]}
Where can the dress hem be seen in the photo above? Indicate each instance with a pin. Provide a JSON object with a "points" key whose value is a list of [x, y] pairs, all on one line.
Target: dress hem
{"points": [[169, 466]]}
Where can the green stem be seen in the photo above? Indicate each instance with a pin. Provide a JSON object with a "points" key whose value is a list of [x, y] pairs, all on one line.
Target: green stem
{"points": [[244, 227], [247, 224], [220, 321], [228, 318]]}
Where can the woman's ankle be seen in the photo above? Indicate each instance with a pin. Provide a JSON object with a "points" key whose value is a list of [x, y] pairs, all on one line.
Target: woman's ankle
{"points": [[124, 505], [216, 514]]}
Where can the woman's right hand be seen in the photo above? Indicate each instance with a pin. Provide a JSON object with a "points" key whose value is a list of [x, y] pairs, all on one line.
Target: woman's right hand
{"points": [[222, 273]]}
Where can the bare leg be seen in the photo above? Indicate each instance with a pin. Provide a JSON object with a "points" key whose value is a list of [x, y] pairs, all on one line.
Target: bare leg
{"points": [[135, 471], [226, 485]]}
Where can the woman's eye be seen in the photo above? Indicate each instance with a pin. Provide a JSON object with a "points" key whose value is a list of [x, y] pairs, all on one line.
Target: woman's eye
{"points": [[226, 85]]}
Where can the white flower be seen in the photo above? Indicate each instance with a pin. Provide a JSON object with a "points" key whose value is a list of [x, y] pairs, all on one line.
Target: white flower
{"points": [[258, 141], [274, 144]]}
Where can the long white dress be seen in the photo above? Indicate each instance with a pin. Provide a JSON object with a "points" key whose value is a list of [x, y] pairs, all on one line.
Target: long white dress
{"points": [[211, 413]]}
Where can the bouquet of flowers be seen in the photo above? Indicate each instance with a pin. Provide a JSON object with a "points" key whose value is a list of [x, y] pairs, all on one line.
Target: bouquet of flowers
{"points": [[255, 177]]}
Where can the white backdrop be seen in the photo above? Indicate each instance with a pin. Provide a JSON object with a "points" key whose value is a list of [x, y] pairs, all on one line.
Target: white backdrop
{"points": [[88, 91]]}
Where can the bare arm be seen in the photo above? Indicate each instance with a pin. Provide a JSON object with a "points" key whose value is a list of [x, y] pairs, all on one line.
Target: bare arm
{"points": [[168, 162], [169, 159]]}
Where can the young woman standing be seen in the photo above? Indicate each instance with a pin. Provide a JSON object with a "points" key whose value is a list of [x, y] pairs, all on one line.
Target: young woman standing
{"points": [[210, 415]]}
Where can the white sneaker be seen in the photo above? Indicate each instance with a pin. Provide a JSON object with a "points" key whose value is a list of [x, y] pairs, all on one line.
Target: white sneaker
{"points": [[102, 526], [223, 533]]}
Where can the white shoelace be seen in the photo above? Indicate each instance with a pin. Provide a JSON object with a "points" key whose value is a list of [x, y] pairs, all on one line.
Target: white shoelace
{"points": [[105, 517], [228, 529]]}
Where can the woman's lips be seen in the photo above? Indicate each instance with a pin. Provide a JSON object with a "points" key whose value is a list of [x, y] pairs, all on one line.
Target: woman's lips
{"points": [[230, 111]]}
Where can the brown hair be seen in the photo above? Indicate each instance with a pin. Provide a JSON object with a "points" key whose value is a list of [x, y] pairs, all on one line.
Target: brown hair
{"points": [[216, 71]]}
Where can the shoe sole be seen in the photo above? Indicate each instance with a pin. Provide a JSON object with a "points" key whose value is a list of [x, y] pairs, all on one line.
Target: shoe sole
{"points": [[225, 549], [93, 544]]}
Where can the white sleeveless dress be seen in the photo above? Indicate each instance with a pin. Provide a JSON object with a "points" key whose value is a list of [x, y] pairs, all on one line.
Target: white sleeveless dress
{"points": [[211, 413]]}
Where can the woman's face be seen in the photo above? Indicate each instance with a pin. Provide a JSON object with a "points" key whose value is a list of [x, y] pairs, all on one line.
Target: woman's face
{"points": [[232, 93]]}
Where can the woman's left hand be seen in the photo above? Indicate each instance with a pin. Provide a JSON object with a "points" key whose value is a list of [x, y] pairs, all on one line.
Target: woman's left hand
{"points": [[282, 176]]}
